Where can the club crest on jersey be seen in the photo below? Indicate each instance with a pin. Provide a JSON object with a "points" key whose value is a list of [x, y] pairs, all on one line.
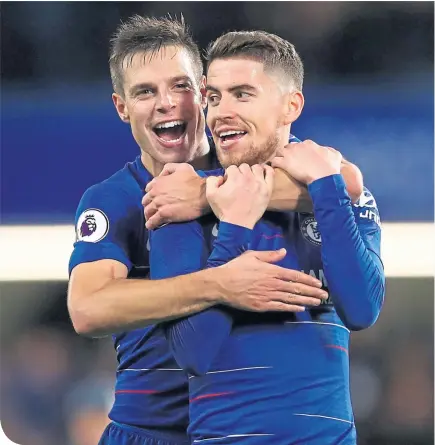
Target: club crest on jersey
{"points": [[310, 232], [92, 226]]}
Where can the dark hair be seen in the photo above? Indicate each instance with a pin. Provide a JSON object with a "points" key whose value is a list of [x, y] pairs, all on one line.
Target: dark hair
{"points": [[273, 51], [149, 35]]}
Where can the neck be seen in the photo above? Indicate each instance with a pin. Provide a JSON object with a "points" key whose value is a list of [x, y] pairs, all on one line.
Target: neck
{"points": [[283, 140], [201, 161]]}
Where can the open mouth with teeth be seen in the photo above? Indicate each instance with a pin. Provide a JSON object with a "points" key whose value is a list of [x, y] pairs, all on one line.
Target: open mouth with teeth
{"points": [[227, 137], [170, 132]]}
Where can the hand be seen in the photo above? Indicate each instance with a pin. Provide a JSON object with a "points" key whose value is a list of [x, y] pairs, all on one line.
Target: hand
{"points": [[251, 283], [307, 161], [177, 194], [243, 196]]}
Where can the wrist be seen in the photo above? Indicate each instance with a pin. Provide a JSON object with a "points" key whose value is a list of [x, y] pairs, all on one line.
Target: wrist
{"points": [[214, 279], [238, 221], [322, 175]]}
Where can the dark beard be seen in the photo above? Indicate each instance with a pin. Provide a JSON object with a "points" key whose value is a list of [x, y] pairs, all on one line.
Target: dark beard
{"points": [[255, 154]]}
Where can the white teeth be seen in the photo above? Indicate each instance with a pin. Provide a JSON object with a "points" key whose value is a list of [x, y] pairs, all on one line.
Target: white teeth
{"points": [[231, 132], [169, 124], [172, 140]]}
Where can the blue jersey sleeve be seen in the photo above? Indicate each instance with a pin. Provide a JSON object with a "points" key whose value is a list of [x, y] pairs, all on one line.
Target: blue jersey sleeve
{"points": [[178, 249], [206, 173], [105, 221], [351, 238]]}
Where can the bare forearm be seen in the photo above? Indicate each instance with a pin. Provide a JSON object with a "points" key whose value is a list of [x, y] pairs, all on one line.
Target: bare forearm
{"points": [[290, 194], [126, 304], [353, 179]]}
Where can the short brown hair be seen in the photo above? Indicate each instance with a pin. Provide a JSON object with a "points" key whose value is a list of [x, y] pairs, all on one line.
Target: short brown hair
{"points": [[149, 35], [273, 51]]}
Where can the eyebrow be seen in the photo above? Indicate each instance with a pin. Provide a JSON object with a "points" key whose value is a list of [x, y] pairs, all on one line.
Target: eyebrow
{"points": [[243, 86], [182, 77]]}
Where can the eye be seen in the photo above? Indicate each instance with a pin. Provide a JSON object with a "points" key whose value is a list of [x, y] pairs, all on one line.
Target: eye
{"points": [[243, 95], [182, 86], [213, 99], [144, 92]]}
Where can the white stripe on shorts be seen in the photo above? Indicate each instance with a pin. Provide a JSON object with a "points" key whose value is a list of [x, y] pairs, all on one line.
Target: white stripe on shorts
{"points": [[231, 436]]}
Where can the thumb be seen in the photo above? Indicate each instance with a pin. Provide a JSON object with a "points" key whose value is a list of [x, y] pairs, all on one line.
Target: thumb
{"points": [[168, 169], [278, 162], [213, 183], [270, 256]]}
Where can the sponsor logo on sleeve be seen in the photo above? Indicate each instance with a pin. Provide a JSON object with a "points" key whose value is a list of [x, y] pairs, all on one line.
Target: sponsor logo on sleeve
{"points": [[92, 226], [368, 208]]}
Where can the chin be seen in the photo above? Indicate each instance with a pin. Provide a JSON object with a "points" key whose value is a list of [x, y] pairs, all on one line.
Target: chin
{"points": [[175, 158], [226, 161]]}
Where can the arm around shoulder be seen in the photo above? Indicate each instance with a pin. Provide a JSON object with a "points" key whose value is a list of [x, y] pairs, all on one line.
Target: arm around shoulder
{"points": [[102, 301]]}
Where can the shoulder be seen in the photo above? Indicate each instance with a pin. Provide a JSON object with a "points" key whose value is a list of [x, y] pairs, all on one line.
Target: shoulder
{"points": [[121, 186], [114, 201]]}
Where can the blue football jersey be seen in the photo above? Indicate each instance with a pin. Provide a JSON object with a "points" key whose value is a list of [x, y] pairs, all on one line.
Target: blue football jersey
{"points": [[278, 378], [151, 389]]}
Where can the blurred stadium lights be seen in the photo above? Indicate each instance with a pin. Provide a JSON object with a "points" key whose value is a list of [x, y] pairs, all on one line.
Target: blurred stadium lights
{"points": [[35, 253]]}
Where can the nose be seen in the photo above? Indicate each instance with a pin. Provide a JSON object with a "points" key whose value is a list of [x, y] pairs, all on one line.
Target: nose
{"points": [[165, 102], [223, 110]]}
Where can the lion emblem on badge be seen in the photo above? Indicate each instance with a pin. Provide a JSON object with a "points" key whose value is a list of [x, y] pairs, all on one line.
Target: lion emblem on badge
{"points": [[89, 226]]}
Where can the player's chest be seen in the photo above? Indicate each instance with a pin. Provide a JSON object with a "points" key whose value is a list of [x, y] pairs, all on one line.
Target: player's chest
{"points": [[295, 232], [298, 234], [139, 251]]}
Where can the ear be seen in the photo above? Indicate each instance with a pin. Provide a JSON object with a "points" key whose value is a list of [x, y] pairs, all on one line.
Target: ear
{"points": [[203, 92], [294, 106], [121, 107]]}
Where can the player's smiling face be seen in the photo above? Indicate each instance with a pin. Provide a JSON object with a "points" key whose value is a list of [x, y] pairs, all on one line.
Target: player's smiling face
{"points": [[162, 103], [248, 113]]}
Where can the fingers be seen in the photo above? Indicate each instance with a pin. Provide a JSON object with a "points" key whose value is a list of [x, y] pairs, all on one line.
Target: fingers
{"points": [[269, 256], [258, 172], [278, 162], [155, 221], [287, 302], [301, 290], [245, 169], [279, 306], [150, 185], [172, 167], [296, 276], [232, 173], [147, 199], [213, 183], [150, 210], [289, 298], [303, 301], [269, 176]]}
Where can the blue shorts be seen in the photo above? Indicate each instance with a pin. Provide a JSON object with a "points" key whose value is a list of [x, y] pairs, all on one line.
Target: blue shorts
{"points": [[117, 434]]}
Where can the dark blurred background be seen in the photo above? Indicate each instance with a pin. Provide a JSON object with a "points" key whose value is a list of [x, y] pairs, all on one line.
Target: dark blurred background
{"points": [[369, 93]]}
